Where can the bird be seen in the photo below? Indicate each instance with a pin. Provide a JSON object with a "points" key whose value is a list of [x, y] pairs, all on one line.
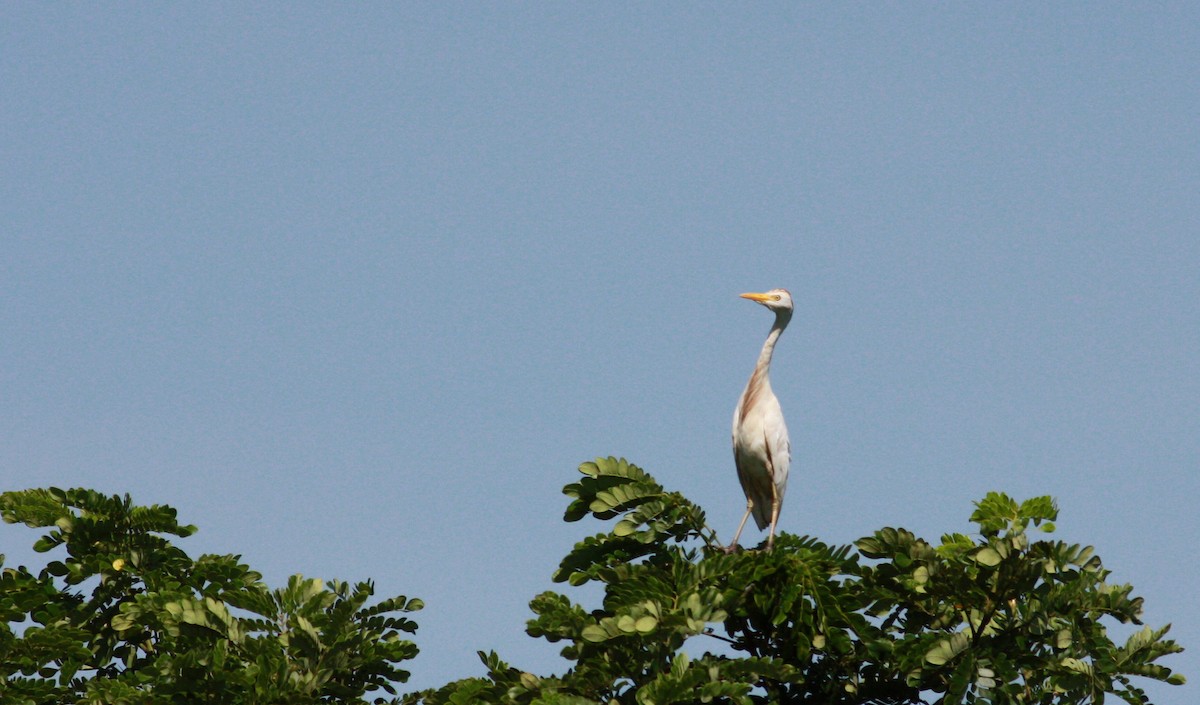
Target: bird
{"points": [[761, 450]]}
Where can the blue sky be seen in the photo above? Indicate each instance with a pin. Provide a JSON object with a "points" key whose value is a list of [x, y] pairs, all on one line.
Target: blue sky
{"points": [[357, 287]]}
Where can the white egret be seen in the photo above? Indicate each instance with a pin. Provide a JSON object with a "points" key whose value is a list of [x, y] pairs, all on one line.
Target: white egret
{"points": [[761, 449]]}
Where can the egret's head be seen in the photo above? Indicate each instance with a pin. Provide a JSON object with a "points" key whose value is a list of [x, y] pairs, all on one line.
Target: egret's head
{"points": [[778, 300]]}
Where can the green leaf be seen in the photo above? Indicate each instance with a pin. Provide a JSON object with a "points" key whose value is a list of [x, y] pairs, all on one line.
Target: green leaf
{"points": [[994, 513], [947, 649], [1039, 509], [1063, 639], [921, 575], [988, 556], [679, 664], [624, 528]]}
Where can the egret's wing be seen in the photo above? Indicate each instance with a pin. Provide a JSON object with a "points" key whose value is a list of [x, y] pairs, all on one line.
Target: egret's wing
{"points": [[762, 454], [756, 483], [779, 447]]}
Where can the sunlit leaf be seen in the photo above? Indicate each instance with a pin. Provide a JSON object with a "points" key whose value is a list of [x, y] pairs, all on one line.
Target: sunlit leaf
{"points": [[988, 556]]}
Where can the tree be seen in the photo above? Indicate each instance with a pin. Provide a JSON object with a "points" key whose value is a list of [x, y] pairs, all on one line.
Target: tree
{"points": [[1004, 616], [996, 618], [127, 617]]}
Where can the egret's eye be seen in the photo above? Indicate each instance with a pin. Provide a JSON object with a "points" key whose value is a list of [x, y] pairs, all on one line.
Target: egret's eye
{"points": [[776, 297]]}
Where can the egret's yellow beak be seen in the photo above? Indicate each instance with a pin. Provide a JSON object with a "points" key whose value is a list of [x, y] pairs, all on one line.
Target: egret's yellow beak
{"points": [[760, 298]]}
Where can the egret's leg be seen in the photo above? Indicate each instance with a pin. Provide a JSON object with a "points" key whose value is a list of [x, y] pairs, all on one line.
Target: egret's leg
{"points": [[738, 533], [775, 505]]}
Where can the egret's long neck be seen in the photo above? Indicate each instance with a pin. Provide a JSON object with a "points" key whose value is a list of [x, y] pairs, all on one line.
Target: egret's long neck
{"points": [[759, 382], [764, 357]]}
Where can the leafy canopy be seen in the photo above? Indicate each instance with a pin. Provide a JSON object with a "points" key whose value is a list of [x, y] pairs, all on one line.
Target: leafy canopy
{"points": [[1004, 615], [127, 617], [999, 617]]}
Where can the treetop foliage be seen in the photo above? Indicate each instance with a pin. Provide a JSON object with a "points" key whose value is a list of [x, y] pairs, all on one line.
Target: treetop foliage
{"points": [[1004, 615], [127, 617]]}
